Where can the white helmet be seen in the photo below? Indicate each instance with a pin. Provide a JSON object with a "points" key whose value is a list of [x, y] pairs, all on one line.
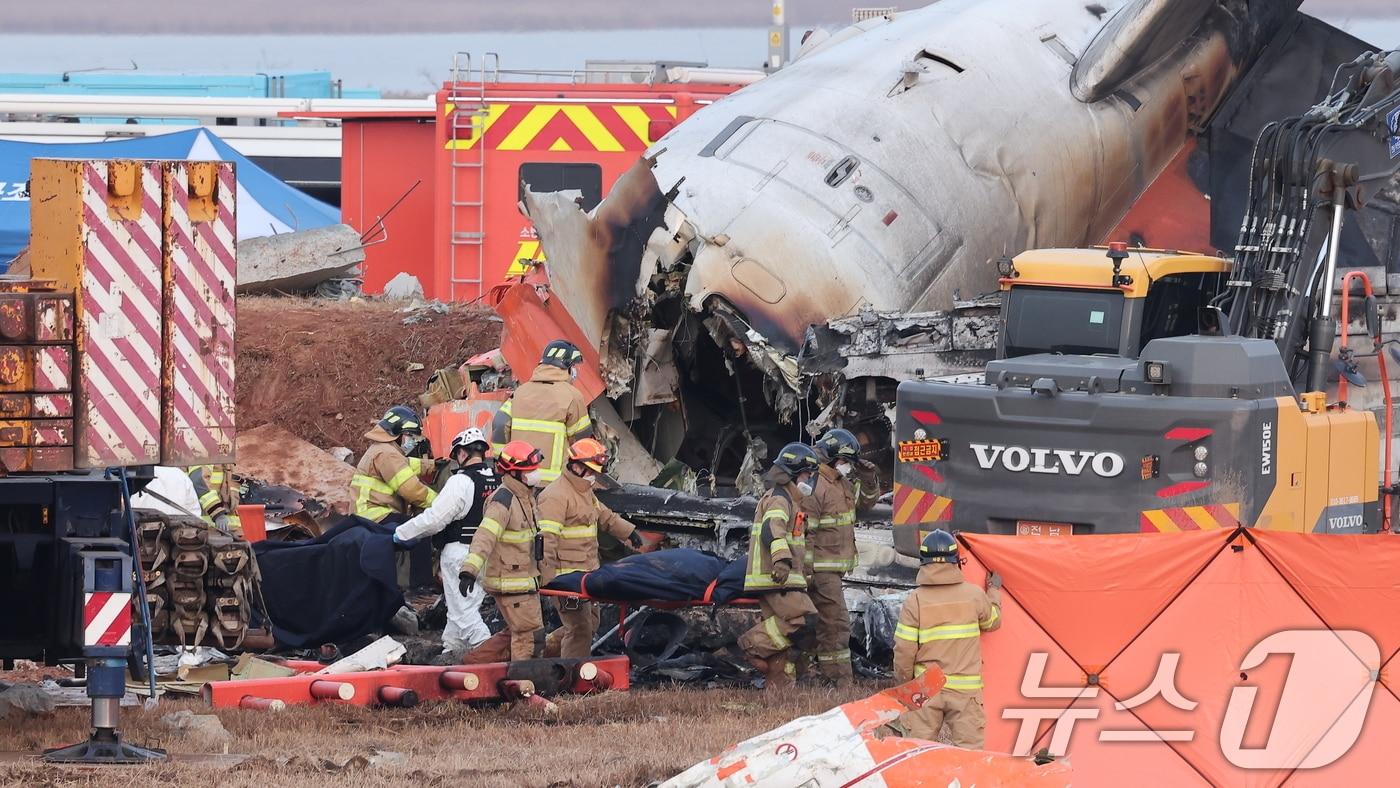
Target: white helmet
{"points": [[467, 439]]}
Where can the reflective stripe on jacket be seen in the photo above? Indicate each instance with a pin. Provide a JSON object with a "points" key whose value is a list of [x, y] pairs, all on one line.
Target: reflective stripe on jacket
{"points": [[386, 482], [570, 518], [548, 413], [503, 549], [941, 624], [777, 534], [217, 493]]}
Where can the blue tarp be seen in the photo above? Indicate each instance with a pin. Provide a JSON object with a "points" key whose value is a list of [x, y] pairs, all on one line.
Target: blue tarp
{"points": [[266, 205]]}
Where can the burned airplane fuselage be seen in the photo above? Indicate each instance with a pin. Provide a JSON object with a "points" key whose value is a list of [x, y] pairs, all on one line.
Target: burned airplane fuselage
{"points": [[879, 175]]}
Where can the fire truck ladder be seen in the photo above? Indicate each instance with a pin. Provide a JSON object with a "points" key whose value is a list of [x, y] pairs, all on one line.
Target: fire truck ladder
{"points": [[467, 155]]}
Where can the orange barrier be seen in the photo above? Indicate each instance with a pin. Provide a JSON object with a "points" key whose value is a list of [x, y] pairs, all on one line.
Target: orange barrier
{"points": [[1226, 657], [406, 685]]}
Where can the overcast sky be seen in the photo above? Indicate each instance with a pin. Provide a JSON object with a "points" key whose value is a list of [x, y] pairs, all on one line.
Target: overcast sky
{"points": [[385, 16]]}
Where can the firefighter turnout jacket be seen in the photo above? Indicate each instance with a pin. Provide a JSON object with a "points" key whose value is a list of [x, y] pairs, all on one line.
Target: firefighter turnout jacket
{"points": [[503, 550], [942, 624], [570, 518], [831, 523], [457, 510], [217, 493], [777, 535], [386, 482], [548, 413]]}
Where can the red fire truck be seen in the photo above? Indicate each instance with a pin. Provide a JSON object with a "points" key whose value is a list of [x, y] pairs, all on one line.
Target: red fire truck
{"points": [[460, 231]]}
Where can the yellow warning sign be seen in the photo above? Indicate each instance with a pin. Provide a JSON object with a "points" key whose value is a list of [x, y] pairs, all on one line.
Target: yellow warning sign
{"points": [[526, 254]]}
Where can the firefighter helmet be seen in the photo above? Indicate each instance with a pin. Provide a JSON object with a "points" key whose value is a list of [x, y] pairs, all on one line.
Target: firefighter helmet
{"points": [[400, 419], [471, 439], [561, 353], [590, 453], [939, 547], [519, 456], [796, 458], [838, 444]]}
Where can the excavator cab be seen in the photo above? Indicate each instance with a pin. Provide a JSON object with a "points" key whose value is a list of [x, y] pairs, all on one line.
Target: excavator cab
{"points": [[1107, 300]]}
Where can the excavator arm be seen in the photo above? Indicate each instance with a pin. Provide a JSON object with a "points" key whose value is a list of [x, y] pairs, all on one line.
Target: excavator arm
{"points": [[1305, 172]]}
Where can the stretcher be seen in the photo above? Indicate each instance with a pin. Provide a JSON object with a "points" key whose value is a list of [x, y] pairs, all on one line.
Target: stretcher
{"points": [[626, 614]]}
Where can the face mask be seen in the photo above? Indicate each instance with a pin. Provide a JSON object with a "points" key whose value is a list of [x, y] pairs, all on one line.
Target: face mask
{"points": [[532, 478], [844, 468], [573, 373], [804, 485], [408, 442]]}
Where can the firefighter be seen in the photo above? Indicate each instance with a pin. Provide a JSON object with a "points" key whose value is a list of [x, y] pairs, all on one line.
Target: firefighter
{"points": [[774, 573], [503, 556], [387, 479], [217, 492], [942, 624], [831, 548], [451, 521], [547, 411], [570, 518]]}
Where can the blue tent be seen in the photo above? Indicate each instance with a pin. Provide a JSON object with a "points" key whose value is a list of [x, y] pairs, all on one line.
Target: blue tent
{"points": [[266, 206]]}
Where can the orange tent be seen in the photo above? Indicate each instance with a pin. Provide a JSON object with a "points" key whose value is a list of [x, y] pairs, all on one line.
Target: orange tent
{"points": [[1240, 657]]}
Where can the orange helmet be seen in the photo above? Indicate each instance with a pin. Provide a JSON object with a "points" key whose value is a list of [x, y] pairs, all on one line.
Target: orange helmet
{"points": [[590, 452], [519, 456]]}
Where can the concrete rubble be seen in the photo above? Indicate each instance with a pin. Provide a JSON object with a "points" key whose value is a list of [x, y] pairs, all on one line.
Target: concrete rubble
{"points": [[25, 699], [298, 262]]}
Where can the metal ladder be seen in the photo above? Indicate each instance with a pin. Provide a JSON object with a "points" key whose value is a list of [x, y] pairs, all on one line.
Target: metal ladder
{"points": [[467, 266]]}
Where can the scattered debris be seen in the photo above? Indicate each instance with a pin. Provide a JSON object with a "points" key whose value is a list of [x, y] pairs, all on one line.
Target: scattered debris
{"points": [[25, 699], [274, 454], [850, 744], [383, 758], [376, 656], [298, 262], [403, 287], [203, 728], [342, 453]]}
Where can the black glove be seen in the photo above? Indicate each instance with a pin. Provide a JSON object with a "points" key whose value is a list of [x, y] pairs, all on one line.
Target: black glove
{"points": [[781, 570], [466, 583], [635, 539]]}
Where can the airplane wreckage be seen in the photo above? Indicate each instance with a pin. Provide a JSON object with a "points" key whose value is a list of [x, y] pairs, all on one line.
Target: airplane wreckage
{"points": [[777, 263]]}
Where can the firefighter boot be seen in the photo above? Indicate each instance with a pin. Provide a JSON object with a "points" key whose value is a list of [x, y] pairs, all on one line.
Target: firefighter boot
{"points": [[780, 673]]}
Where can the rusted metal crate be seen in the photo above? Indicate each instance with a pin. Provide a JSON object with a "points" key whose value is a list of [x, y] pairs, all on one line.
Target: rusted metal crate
{"points": [[142, 256]]}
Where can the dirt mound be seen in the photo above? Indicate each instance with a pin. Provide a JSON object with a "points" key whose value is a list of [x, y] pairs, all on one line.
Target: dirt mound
{"points": [[325, 370], [274, 455]]}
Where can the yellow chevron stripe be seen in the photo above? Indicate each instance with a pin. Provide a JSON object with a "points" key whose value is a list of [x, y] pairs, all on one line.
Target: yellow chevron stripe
{"points": [[910, 502], [493, 114], [1161, 521], [592, 128], [638, 121], [940, 505], [1201, 517], [528, 127]]}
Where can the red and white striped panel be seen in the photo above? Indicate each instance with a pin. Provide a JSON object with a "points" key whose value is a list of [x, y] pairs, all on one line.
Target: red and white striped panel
{"points": [[106, 619], [199, 350], [119, 326]]}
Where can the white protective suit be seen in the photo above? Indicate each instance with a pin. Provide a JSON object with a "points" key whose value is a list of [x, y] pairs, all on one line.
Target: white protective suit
{"points": [[465, 629]]}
